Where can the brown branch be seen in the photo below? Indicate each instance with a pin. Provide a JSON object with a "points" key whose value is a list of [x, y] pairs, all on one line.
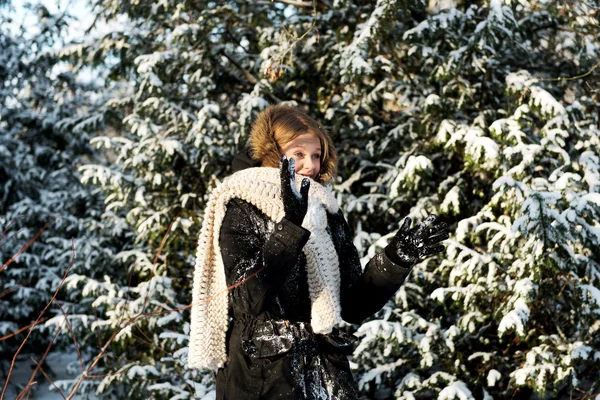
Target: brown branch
{"points": [[166, 235], [251, 78], [20, 330], [162, 244], [11, 223], [104, 375], [296, 3], [10, 289], [164, 240], [149, 342], [72, 334], [37, 321], [39, 363], [572, 78], [37, 235], [98, 331], [49, 380], [10, 237]]}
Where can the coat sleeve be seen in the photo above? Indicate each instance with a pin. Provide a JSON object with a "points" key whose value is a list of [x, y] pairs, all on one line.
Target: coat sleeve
{"points": [[257, 265], [363, 293]]}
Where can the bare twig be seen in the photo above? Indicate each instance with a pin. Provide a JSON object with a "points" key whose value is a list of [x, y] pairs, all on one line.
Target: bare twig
{"points": [[9, 290], [21, 330], [162, 244], [37, 321], [149, 342], [49, 380], [72, 333], [26, 391], [275, 70], [11, 223], [572, 78], [98, 331], [37, 235], [296, 3], [10, 237], [251, 78]]}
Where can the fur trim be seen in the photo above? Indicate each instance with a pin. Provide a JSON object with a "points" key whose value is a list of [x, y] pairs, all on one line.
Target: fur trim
{"points": [[260, 187], [264, 148]]}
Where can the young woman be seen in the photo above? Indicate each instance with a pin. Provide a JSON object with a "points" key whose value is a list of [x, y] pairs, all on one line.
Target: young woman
{"points": [[276, 269]]}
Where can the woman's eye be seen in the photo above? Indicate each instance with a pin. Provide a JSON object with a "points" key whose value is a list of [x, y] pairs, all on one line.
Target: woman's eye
{"points": [[299, 155], [316, 157]]}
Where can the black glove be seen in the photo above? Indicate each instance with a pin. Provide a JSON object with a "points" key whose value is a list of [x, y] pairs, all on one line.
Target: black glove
{"points": [[410, 245], [295, 204]]}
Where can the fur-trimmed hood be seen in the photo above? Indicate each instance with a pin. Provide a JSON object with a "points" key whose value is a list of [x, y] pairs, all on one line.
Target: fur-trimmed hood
{"points": [[264, 149]]}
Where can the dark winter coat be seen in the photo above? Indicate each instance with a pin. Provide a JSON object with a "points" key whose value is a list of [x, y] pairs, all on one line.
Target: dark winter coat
{"points": [[272, 352]]}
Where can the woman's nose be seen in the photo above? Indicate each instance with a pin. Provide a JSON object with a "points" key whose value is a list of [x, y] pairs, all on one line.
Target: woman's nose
{"points": [[309, 164]]}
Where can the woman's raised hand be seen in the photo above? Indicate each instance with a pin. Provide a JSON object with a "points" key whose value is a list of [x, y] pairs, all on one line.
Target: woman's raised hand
{"points": [[410, 245], [295, 203]]}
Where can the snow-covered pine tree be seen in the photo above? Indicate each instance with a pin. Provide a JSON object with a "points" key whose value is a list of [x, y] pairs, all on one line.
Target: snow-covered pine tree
{"points": [[450, 111], [501, 137], [43, 139]]}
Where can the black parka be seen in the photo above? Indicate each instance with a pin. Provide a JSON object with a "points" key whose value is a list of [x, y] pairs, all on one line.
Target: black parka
{"points": [[272, 352]]}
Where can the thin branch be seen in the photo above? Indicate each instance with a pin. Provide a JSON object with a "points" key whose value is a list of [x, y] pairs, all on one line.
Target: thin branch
{"points": [[572, 78], [10, 237], [251, 78], [98, 332], [296, 3], [162, 244], [26, 246], [20, 330], [149, 342], [37, 321], [11, 223], [9, 290], [49, 380], [72, 334], [38, 364]]}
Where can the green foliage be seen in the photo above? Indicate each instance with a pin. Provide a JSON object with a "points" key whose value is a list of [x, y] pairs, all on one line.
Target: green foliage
{"points": [[484, 113]]}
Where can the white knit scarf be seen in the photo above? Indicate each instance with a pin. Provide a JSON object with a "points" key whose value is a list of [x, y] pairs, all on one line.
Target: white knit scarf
{"points": [[262, 188]]}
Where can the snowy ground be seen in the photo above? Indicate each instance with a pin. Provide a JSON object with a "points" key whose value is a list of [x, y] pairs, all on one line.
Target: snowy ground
{"points": [[58, 363]]}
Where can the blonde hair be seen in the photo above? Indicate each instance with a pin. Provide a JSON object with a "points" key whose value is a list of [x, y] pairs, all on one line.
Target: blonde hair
{"points": [[278, 125]]}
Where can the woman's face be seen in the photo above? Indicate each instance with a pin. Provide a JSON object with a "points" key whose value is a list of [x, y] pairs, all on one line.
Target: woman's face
{"points": [[305, 149]]}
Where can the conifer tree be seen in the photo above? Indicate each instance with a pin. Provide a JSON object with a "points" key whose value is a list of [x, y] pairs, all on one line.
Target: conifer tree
{"points": [[49, 220], [506, 146], [480, 112]]}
